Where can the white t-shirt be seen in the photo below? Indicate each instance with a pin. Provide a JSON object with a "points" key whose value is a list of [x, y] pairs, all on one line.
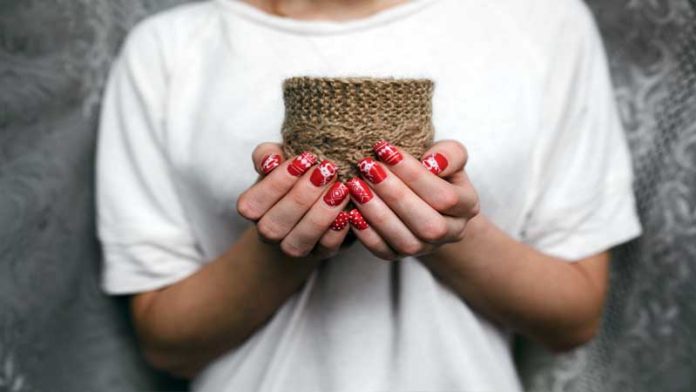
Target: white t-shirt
{"points": [[522, 83]]}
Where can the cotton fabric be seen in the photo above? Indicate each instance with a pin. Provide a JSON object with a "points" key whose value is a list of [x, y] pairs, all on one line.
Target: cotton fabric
{"points": [[522, 83]]}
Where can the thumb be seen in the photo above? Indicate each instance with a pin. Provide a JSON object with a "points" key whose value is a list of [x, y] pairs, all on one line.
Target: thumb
{"points": [[445, 158]]}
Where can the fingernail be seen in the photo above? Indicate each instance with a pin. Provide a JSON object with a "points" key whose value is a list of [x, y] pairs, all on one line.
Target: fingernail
{"points": [[372, 170], [387, 152], [301, 163], [436, 163], [336, 194], [270, 162], [359, 190], [323, 174], [341, 221], [357, 220]]}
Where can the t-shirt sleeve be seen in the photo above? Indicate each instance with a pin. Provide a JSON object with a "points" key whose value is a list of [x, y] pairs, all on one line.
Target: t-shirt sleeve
{"points": [[147, 242], [583, 202]]}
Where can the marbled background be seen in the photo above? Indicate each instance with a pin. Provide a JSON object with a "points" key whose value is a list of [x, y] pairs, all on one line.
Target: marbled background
{"points": [[59, 333]]}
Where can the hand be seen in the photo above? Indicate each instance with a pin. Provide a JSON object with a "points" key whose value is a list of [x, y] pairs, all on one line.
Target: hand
{"points": [[412, 206], [294, 206]]}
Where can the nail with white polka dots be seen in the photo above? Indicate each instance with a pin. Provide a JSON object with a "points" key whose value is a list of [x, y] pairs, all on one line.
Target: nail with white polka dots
{"points": [[357, 220], [341, 221]]}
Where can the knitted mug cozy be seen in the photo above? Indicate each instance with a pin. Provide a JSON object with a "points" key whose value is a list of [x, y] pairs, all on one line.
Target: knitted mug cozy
{"points": [[340, 119]]}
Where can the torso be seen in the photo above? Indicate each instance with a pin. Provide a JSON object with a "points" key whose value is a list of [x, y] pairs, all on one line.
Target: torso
{"points": [[359, 323]]}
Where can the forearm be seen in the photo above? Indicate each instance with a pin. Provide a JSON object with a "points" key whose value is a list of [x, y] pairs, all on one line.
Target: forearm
{"points": [[554, 302], [184, 326]]}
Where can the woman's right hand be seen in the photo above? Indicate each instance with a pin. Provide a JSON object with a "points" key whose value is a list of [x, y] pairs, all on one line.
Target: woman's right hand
{"points": [[296, 203]]}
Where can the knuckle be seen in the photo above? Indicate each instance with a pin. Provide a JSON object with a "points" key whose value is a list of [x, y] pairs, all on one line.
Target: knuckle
{"points": [[314, 223], [299, 200], [472, 204], [277, 186], [461, 234], [446, 200], [269, 231], [293, 250], [375, 245], [474, 210], [328, 245], [434, 231], [410, 248], [246, 209]]}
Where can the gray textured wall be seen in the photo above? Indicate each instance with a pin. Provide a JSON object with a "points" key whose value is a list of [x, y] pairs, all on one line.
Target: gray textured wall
{"points": [[647, 341], [59, 333]]}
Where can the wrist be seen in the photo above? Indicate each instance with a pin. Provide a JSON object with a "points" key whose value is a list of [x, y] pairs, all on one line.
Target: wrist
{"points": [[477, 228]]}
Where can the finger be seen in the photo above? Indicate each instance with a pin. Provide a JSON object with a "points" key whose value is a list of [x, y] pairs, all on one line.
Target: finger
{"points": [[437, 192], [266, 157], [369, 237], [314, 224], [424, 221], [259, 198], [287, 212], [445, 158], [385, 222], [331, 241]]}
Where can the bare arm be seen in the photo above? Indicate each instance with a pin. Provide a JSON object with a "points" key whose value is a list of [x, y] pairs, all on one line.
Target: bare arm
{"points": [[436, 218], [556, 303], [184, 326]]}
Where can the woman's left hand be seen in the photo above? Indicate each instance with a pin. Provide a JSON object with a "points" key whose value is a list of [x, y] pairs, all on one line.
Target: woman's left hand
{"points": [[411, 207]]}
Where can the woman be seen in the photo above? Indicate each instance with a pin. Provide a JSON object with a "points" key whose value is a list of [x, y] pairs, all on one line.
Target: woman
{"points": [[272, 302]]}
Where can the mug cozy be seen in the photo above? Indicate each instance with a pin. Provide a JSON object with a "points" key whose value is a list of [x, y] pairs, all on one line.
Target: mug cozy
{"points": [[340, 119]]}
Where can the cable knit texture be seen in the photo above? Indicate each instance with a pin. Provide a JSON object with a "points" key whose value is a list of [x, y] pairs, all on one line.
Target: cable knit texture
{"points": [[341, 119]]}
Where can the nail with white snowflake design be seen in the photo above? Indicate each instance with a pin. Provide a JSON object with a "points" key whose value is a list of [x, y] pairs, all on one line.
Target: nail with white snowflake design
{"points": [[270, 162], [302, 163], [387, 152], [323, 174], [336, 194], [436, 163], [372, 170], [359, 190]]}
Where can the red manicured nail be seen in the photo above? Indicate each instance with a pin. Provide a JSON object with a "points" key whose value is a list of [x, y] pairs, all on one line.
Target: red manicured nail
{"points": [[336, 194], [359, 190], [270, 162], [387, 152], [372, 170], [341, 221], [301, 163], [436, 163], [323, 174], [357, 220]]}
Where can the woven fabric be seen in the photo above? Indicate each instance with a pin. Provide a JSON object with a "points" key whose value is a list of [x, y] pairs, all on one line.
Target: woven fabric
{"points": [[341, 119]]}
